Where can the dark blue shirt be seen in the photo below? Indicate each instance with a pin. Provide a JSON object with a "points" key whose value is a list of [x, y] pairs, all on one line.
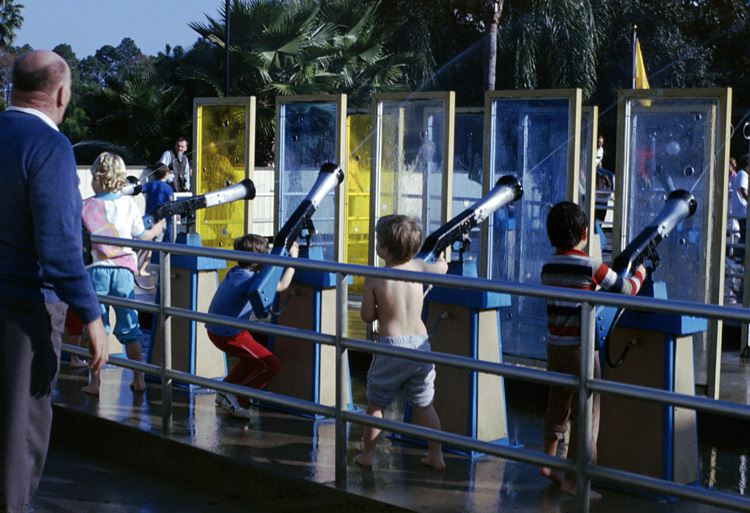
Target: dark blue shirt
{"points": [[41, 253], [157, 193]]}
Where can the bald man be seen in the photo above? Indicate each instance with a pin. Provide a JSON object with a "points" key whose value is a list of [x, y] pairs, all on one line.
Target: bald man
{"points": [[41, 268]]}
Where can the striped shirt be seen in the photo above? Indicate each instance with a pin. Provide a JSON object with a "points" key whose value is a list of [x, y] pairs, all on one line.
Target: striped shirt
{"points": [[574, 269]]}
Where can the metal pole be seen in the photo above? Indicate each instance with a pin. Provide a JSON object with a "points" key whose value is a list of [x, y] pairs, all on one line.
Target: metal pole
{"points": [[585, 407], [226, 47], [165, 331], [341, 386]]}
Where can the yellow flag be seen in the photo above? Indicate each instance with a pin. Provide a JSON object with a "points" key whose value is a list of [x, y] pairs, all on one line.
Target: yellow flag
{"points": [[641, 80]]}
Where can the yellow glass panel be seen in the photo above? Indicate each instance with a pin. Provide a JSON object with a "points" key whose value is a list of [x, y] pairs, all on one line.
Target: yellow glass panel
{"points": [[359, 129], [220, 162]]}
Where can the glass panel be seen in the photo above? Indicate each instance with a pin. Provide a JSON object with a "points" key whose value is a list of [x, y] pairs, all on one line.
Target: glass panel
{"points": [[220, 162], [358, 194], [529, 140], [467, 172], [307, 140], [671, 143], [411, 160]]}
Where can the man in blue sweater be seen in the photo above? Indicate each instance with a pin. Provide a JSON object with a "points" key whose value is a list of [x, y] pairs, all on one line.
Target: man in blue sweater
{"points": [[41, 268]]}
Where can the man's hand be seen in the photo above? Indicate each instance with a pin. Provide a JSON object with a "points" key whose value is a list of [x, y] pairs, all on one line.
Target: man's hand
{"points": [[98, 343]]}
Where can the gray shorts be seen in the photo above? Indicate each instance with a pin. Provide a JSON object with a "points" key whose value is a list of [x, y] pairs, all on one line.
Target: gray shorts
{"points": [[387, 375]]}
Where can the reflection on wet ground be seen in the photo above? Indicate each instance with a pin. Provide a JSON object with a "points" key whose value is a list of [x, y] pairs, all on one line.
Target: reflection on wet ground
{"points": [[302, 448]]}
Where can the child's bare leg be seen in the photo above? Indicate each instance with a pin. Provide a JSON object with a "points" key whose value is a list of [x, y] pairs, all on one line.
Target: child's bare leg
{"points": [[550, 449], [75, 361], [144, 257], [93, 387], [370, 437], [427, 417], [133, 352]]}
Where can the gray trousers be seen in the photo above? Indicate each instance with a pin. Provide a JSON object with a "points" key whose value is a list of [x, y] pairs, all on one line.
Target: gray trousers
{"points": [[30, 338]]}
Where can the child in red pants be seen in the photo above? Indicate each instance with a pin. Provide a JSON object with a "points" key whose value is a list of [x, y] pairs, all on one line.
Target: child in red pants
{"points": [[256, 365]]}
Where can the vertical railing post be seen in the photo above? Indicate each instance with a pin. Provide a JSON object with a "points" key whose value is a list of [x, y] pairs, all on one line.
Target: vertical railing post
{"points": [[341, 382], [585, 407], [165, 332]]}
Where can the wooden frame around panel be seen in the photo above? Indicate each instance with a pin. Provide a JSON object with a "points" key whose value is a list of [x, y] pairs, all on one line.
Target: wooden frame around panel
{"points": [[249, 102], [449, 99], [719, 153], [575, 97], [340, 198]]}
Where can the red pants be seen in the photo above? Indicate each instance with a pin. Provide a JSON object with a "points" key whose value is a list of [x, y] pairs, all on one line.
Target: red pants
{"points": [[256, 365], [73, 323]]}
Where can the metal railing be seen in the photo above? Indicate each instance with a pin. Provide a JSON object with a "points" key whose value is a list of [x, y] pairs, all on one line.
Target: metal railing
{"points": [[585, 382]]}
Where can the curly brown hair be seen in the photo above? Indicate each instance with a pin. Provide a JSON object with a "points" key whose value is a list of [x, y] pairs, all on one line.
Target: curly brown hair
{"points": [[400, 235]]}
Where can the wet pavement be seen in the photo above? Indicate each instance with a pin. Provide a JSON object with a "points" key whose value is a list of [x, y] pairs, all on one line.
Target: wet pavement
{"points": [[124, 430], [110, 455]]}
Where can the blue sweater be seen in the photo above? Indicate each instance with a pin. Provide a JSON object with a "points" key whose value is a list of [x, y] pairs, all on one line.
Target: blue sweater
{"points": [[41, 256]]}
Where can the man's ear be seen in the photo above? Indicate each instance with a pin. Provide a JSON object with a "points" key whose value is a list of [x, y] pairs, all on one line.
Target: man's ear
{"points": [[63, 96], [585, 235]]}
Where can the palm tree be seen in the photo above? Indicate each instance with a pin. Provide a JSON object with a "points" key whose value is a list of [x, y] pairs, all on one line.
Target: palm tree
{"points": [[137, 115], [10, 21], [293, 47], [552, 43]]}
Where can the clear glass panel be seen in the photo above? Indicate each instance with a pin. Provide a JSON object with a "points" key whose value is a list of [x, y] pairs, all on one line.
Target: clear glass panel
{"points": [[467, 172], [411, 165], [307, 140], [672, 144], [359, 134], [529, 140], [583, 158], [221, 162]]}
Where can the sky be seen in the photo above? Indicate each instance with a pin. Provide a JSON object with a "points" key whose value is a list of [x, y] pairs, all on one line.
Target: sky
{"points": [[87, 25]]}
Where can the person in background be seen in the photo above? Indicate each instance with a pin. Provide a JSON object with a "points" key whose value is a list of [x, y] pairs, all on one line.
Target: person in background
{"points": [[157, 192], [41, 269], [179, 166]]}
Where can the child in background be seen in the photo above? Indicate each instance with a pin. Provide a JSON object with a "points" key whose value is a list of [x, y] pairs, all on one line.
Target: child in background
{"points": [[112, 272], [397, 306], [256, 365], [570, 267], [157, 192], [74, 327]]}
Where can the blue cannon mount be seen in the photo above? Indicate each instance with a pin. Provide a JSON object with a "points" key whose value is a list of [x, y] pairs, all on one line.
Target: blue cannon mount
{"points": [[467, 323], [679, 205], [307, 370], [660, 357], [194, 282], [262, 289]]}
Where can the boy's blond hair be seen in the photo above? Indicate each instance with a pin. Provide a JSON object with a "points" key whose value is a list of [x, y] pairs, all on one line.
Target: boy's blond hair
{"points": [[109, 172], [253, 244], [400, 235]]}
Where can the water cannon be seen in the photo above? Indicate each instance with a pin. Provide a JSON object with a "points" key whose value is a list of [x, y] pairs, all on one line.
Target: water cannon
{"points": [[680, 205], [507, 190], [262, 289], [244, 190], [133, 187]]}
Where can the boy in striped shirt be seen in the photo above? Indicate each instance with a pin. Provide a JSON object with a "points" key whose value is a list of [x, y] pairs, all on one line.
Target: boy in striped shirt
{"points": [[571, 267]]}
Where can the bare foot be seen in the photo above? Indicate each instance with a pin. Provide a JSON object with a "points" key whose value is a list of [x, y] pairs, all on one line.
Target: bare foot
{"points": [[77, 363], [569, 487], [138, 385], [144, 273], [555, 476], [91, 390], [362, 461], [437, 464]]}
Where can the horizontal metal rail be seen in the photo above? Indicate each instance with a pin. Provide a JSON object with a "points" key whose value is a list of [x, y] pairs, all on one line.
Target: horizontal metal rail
{"points": [[587, 386]]}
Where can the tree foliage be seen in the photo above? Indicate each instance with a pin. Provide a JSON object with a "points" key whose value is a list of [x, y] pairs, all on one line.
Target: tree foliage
{"points": [[10, 21]]}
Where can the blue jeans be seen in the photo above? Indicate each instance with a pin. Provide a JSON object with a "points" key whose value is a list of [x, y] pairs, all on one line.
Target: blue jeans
{"points": [[117, 282]]}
